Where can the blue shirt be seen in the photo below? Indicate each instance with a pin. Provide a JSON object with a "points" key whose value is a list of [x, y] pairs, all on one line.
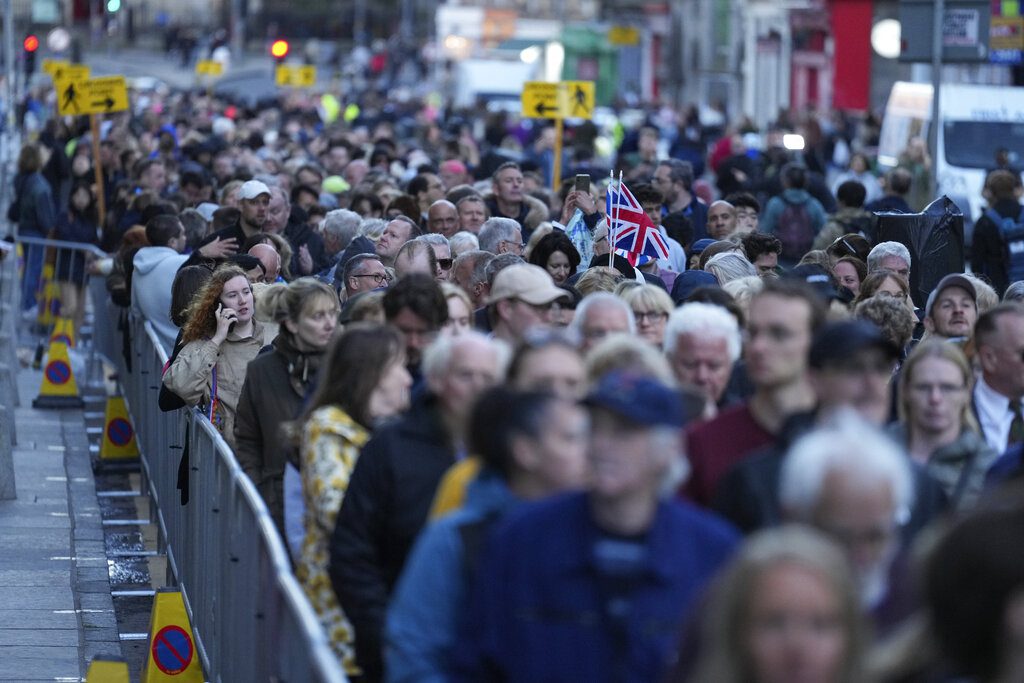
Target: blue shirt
{"points": [[558, 599]]}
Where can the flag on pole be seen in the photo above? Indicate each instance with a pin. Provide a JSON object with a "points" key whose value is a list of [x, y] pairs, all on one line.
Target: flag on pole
{"points": [[632, 227]]}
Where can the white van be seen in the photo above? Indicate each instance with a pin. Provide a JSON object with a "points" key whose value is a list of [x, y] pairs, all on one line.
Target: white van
{"points": [[976, 121]]}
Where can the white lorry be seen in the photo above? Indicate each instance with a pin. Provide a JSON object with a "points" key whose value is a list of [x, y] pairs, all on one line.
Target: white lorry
{"points": [[977, 120]]}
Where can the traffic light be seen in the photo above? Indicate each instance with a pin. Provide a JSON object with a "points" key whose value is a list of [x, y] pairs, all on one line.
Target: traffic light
{"points": [[113, 6], [30, 45], [279, 50]]}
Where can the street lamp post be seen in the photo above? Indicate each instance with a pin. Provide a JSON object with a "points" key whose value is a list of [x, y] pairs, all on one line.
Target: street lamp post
{"points": [[933, 129]]}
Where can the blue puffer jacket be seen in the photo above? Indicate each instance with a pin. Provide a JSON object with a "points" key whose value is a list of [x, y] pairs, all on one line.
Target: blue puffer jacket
{"points": [[544, 607], [429, 604]]}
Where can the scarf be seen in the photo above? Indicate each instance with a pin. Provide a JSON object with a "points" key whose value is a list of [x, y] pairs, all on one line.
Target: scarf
{"points": [[302, 365]]}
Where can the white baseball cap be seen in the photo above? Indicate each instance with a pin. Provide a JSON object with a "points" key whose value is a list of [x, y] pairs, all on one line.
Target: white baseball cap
{"points": [[251, 189]]}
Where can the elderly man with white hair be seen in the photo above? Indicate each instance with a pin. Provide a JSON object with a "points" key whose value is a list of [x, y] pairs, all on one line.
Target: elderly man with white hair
{"points": [[703, 343], [599, 315], [608, 574], [858, 487], [393, 483], [890, 256], [501, 236]]}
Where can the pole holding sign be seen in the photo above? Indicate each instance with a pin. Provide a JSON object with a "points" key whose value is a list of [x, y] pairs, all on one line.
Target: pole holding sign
{"points": [[558, 101]]}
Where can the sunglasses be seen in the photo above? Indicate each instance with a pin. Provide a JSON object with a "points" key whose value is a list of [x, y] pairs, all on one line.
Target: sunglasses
{"points": [[445, 263]]}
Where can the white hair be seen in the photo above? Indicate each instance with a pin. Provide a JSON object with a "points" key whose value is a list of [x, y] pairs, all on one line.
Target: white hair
{"points": [[372, 228], [437, 358], [494, 231], [851, 446], [598, 299], [882, 250], [343, 224], [435, 238], [729, 266], [463, 241], [703, 320]]}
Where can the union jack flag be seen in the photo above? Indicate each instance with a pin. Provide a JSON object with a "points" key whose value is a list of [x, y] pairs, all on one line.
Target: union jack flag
{"points": [[632, 227]]}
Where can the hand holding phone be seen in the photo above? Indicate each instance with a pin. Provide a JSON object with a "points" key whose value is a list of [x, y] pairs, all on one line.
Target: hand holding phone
{"points": [[582, 182]]}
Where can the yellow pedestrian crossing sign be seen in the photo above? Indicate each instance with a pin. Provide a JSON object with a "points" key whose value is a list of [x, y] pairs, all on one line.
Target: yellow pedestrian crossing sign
{"points": [[92, 96], [209, 67], [58, 69], [563, 100], [295, 76]]}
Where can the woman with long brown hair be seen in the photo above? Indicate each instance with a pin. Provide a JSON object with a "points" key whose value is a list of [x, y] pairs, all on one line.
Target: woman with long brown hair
{"points": [[365, 381], [220, 338]]}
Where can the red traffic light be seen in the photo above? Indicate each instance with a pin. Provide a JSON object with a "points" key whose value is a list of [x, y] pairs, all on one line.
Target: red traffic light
{"points": [[279, 48], [31, 43]]}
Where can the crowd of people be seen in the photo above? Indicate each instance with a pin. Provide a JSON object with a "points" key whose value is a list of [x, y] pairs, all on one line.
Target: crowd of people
{"points": [[498, 450]]}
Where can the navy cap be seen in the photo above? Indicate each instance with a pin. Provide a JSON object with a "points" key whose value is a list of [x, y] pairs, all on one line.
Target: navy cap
{"points": [[700, 245], [689, 280], [837, 342], [641, 400]]}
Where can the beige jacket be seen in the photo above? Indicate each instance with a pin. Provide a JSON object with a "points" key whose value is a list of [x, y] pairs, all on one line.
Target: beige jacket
{"points": [[191, 374]]}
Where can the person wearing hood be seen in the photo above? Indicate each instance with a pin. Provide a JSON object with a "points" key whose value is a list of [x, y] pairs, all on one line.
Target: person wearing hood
{"points": [[155, 268], [279, 380], [794, 216], [532, 445]]}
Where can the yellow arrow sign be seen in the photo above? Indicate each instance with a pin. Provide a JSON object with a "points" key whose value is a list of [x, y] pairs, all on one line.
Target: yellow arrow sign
{"points": [[564, 100], [209, 67], [295, 76], [93, 96], [59, 69]]}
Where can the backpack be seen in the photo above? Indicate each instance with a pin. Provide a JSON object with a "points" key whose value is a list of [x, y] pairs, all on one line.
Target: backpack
{"points": [[795, 229], [1012, 232]]}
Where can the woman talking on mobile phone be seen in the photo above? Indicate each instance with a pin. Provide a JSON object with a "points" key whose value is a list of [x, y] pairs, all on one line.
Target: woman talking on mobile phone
{"points": [[220, 337]]}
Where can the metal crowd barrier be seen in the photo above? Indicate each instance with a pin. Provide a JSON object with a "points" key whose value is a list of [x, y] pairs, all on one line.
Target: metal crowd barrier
{"points": [[250, 618]]}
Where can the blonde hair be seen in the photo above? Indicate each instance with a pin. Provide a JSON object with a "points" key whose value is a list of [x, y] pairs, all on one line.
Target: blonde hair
{"points": [[937, 348], [628, 353], [280, 302], [743, 290], [598, 279], [726, 657], [986, 296], [648, 296]]}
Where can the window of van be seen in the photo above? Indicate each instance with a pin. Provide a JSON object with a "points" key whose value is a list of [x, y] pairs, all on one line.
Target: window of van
{"points": [[973, 144]]}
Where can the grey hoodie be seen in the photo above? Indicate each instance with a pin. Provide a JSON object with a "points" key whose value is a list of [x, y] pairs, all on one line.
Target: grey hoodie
{"points": [[155, 268]]}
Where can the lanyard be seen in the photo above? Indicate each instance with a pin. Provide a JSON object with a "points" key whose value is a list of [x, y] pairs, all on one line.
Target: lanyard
{"points": [[213, 395]]}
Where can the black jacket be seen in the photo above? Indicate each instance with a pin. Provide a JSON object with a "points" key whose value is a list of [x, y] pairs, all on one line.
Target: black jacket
{"points": [[988, 250], [387, 502], [277, 383], [749, 495]]}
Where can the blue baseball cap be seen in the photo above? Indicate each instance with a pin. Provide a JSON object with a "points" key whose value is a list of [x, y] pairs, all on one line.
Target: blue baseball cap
{"points": [[641, 400]]}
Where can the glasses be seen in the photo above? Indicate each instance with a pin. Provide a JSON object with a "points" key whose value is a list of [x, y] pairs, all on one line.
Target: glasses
{"points": [[945, 390], [643, 317], [445, 263], [521, 245], [902, 296], [379, 277]]}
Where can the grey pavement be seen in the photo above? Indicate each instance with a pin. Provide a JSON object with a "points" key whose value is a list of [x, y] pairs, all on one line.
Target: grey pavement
{"points": [[56, 611]]}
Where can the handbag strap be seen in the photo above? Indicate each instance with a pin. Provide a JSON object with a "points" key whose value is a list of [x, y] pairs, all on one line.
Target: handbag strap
{"points": [[213, 394]]}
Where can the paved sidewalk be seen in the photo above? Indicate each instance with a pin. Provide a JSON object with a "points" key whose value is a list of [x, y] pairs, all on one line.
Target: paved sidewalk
{"points": [[56, 612]]}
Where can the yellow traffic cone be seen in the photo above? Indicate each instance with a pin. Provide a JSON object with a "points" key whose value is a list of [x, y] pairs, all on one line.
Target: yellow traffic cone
{"points": [[63, 332], [118, 435], [59, 389], [108, 669], [48, 298], [172, 650]]}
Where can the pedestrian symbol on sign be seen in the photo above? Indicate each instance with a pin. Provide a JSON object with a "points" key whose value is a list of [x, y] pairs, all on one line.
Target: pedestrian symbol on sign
{"points": [[69, 97]]}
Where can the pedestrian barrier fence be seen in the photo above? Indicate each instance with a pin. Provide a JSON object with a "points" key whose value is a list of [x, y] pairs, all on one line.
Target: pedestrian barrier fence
{"points": [[250, 618]]}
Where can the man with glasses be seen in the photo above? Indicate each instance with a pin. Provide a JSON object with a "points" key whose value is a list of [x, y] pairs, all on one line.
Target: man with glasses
{"points": [[521, 298], [442, 255], [599, 315], [501, 236], [363, 273]]}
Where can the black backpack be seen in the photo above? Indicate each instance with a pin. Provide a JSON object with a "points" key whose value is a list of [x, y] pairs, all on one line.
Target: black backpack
{"points": [[1012, 232], [795, 229]]}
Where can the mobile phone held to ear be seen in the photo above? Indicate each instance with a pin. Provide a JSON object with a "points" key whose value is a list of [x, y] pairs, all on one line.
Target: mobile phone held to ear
{"points": [[582, 182]]}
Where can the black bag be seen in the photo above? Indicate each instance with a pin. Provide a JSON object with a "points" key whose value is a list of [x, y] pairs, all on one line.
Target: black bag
{"points": [[14, 210]]}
